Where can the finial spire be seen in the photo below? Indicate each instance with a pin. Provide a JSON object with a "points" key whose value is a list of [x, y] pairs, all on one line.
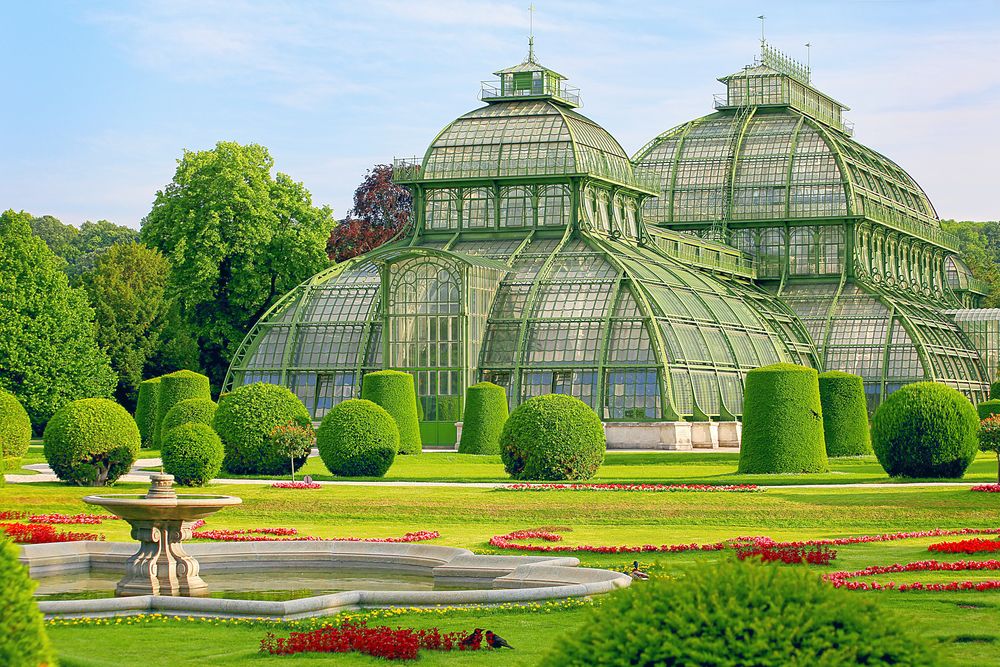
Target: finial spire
{"points": [[762, 41], [531, 33], [808, 58]]}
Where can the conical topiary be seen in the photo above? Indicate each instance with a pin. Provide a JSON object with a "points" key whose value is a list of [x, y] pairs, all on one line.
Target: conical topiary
{"points": [[394, 391], [845, 414], [485, 414], [782, 421], [15, 427]]}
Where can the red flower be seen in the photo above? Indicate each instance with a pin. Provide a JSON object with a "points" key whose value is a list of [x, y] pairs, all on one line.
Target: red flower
{"points": [[736, 488], [40, 533], [378, 641]]}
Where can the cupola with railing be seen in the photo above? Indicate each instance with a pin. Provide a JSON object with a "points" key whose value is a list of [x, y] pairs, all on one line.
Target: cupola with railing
{"points": [[529, 80]]}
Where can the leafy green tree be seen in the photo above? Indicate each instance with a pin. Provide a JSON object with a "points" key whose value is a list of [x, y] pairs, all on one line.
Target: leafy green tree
{"points": [[178, 348], [236, 240], [58, 236], [127, 287], [49, 354], [81, 247], [979, 248]]}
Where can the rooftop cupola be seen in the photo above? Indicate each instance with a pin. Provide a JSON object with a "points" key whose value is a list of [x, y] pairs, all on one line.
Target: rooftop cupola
{"points": [[529, 80]]}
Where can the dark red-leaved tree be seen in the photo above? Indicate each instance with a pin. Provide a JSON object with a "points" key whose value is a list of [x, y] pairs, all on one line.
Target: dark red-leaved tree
{"points": [[381, 210]]}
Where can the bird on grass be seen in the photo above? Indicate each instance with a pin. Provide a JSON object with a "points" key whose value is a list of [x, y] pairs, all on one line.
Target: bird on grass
{"points": [[636, 573], [494, 640], [474, 640]]}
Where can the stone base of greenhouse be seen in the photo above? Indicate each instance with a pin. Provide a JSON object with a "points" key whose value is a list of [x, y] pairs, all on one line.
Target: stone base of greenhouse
{"points": [[677, 436]]}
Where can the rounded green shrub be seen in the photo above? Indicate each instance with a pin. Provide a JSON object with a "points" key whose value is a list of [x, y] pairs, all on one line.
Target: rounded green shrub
{"points": [[552, 437], [23, 641], [174, 388], [15, 427], [192, 452], [485, 414], [394, 391], [146, 409], [196, 410], [925, 429], [782, 421], [358, 438], [91, 442], [988, 408], [845, 414], [245, 419], [739, 613]]}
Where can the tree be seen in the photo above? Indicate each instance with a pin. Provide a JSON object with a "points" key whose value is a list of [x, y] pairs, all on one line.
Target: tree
{"points": [[49, 354], [59, 237], [127, 286], [80, 247], [979, 248], [236, 240], [381, 211]]}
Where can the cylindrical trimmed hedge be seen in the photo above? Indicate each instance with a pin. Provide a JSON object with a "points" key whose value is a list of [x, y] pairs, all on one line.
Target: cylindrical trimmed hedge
{"points": [[925, 429], [192, 452], [486, 413], [358, 438], [740, 613], [244, 421], [553, 437], [91, 442], [190, 410], [15, 427], [782, 421], [394, 391], [988, 408], [845, 414], [23, 641], [174, 388], [995, 391], [146, 410]]}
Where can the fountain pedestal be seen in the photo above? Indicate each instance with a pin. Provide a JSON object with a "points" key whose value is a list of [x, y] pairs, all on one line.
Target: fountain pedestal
{"points": [[161, 520]]}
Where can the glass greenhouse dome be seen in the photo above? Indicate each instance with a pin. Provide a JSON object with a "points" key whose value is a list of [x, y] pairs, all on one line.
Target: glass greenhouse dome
{"points": [[530, 264]]}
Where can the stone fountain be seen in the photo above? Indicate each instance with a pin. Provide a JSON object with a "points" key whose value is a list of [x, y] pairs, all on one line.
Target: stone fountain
{"points": [[161, 520]]}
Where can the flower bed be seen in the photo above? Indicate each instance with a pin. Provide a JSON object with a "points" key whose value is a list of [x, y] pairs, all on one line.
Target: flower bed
{"points": [[973, 546], [811, 554], [844, 579], [92, 519], [285, 534], [42, 533], [731, 488], [378, 641], [987, 488], [296, 485]]}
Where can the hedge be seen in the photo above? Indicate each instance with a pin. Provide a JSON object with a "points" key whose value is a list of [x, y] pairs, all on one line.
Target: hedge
{"points": [[358, 438], [987, 408], [394, 391], [15, 427], [23, 641], [244, 421], [196, 410], [553, 437], [146, 410], [174, 388], [192, 452], [740, 613], [485, 415], [91, 442], [925, 429], [782, 421], [995, 390], [845, 414]]}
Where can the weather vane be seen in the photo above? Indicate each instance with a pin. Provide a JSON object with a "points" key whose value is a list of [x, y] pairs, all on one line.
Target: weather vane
{"points": [[531, 33], [762, 17]]}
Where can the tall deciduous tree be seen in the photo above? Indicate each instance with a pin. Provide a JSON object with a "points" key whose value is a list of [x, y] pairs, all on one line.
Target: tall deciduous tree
{"points": [[236, 240], [127, 286], [381, 210], [80, 247], [48, 351], [979, 247]]}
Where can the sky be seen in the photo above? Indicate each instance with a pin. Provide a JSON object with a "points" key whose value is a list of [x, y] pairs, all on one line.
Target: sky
{"points": [[103, 97]]}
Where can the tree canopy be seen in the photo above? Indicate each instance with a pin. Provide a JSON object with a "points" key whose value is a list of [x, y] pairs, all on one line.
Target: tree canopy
{"points": [[381, 210], [49, 354], [79, 248], [979, 247], [236, 239]]}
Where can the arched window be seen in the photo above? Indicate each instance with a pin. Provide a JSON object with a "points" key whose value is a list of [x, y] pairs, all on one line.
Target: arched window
{"points": [[553, 205], [442, 210], [516, 209], [477, 209]]}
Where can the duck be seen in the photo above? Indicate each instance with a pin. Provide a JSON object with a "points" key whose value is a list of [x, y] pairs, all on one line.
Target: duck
{"points": [[636, 573]]}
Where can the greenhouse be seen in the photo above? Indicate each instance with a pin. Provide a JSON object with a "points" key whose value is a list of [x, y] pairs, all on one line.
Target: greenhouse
{"points": [[541, 258]]}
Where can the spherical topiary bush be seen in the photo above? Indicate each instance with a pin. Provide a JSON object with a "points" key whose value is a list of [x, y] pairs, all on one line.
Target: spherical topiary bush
{"points": [[174, 388], [552, 437], [196, 410], [782, 421], [245, 419], [739, 613], [91, 442], [988, 408], [15, 427], [925, 429], [394, 391], [358, 438], [192, 452], [146, 409], [485, 415], [23, 642], [845, 414]]}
